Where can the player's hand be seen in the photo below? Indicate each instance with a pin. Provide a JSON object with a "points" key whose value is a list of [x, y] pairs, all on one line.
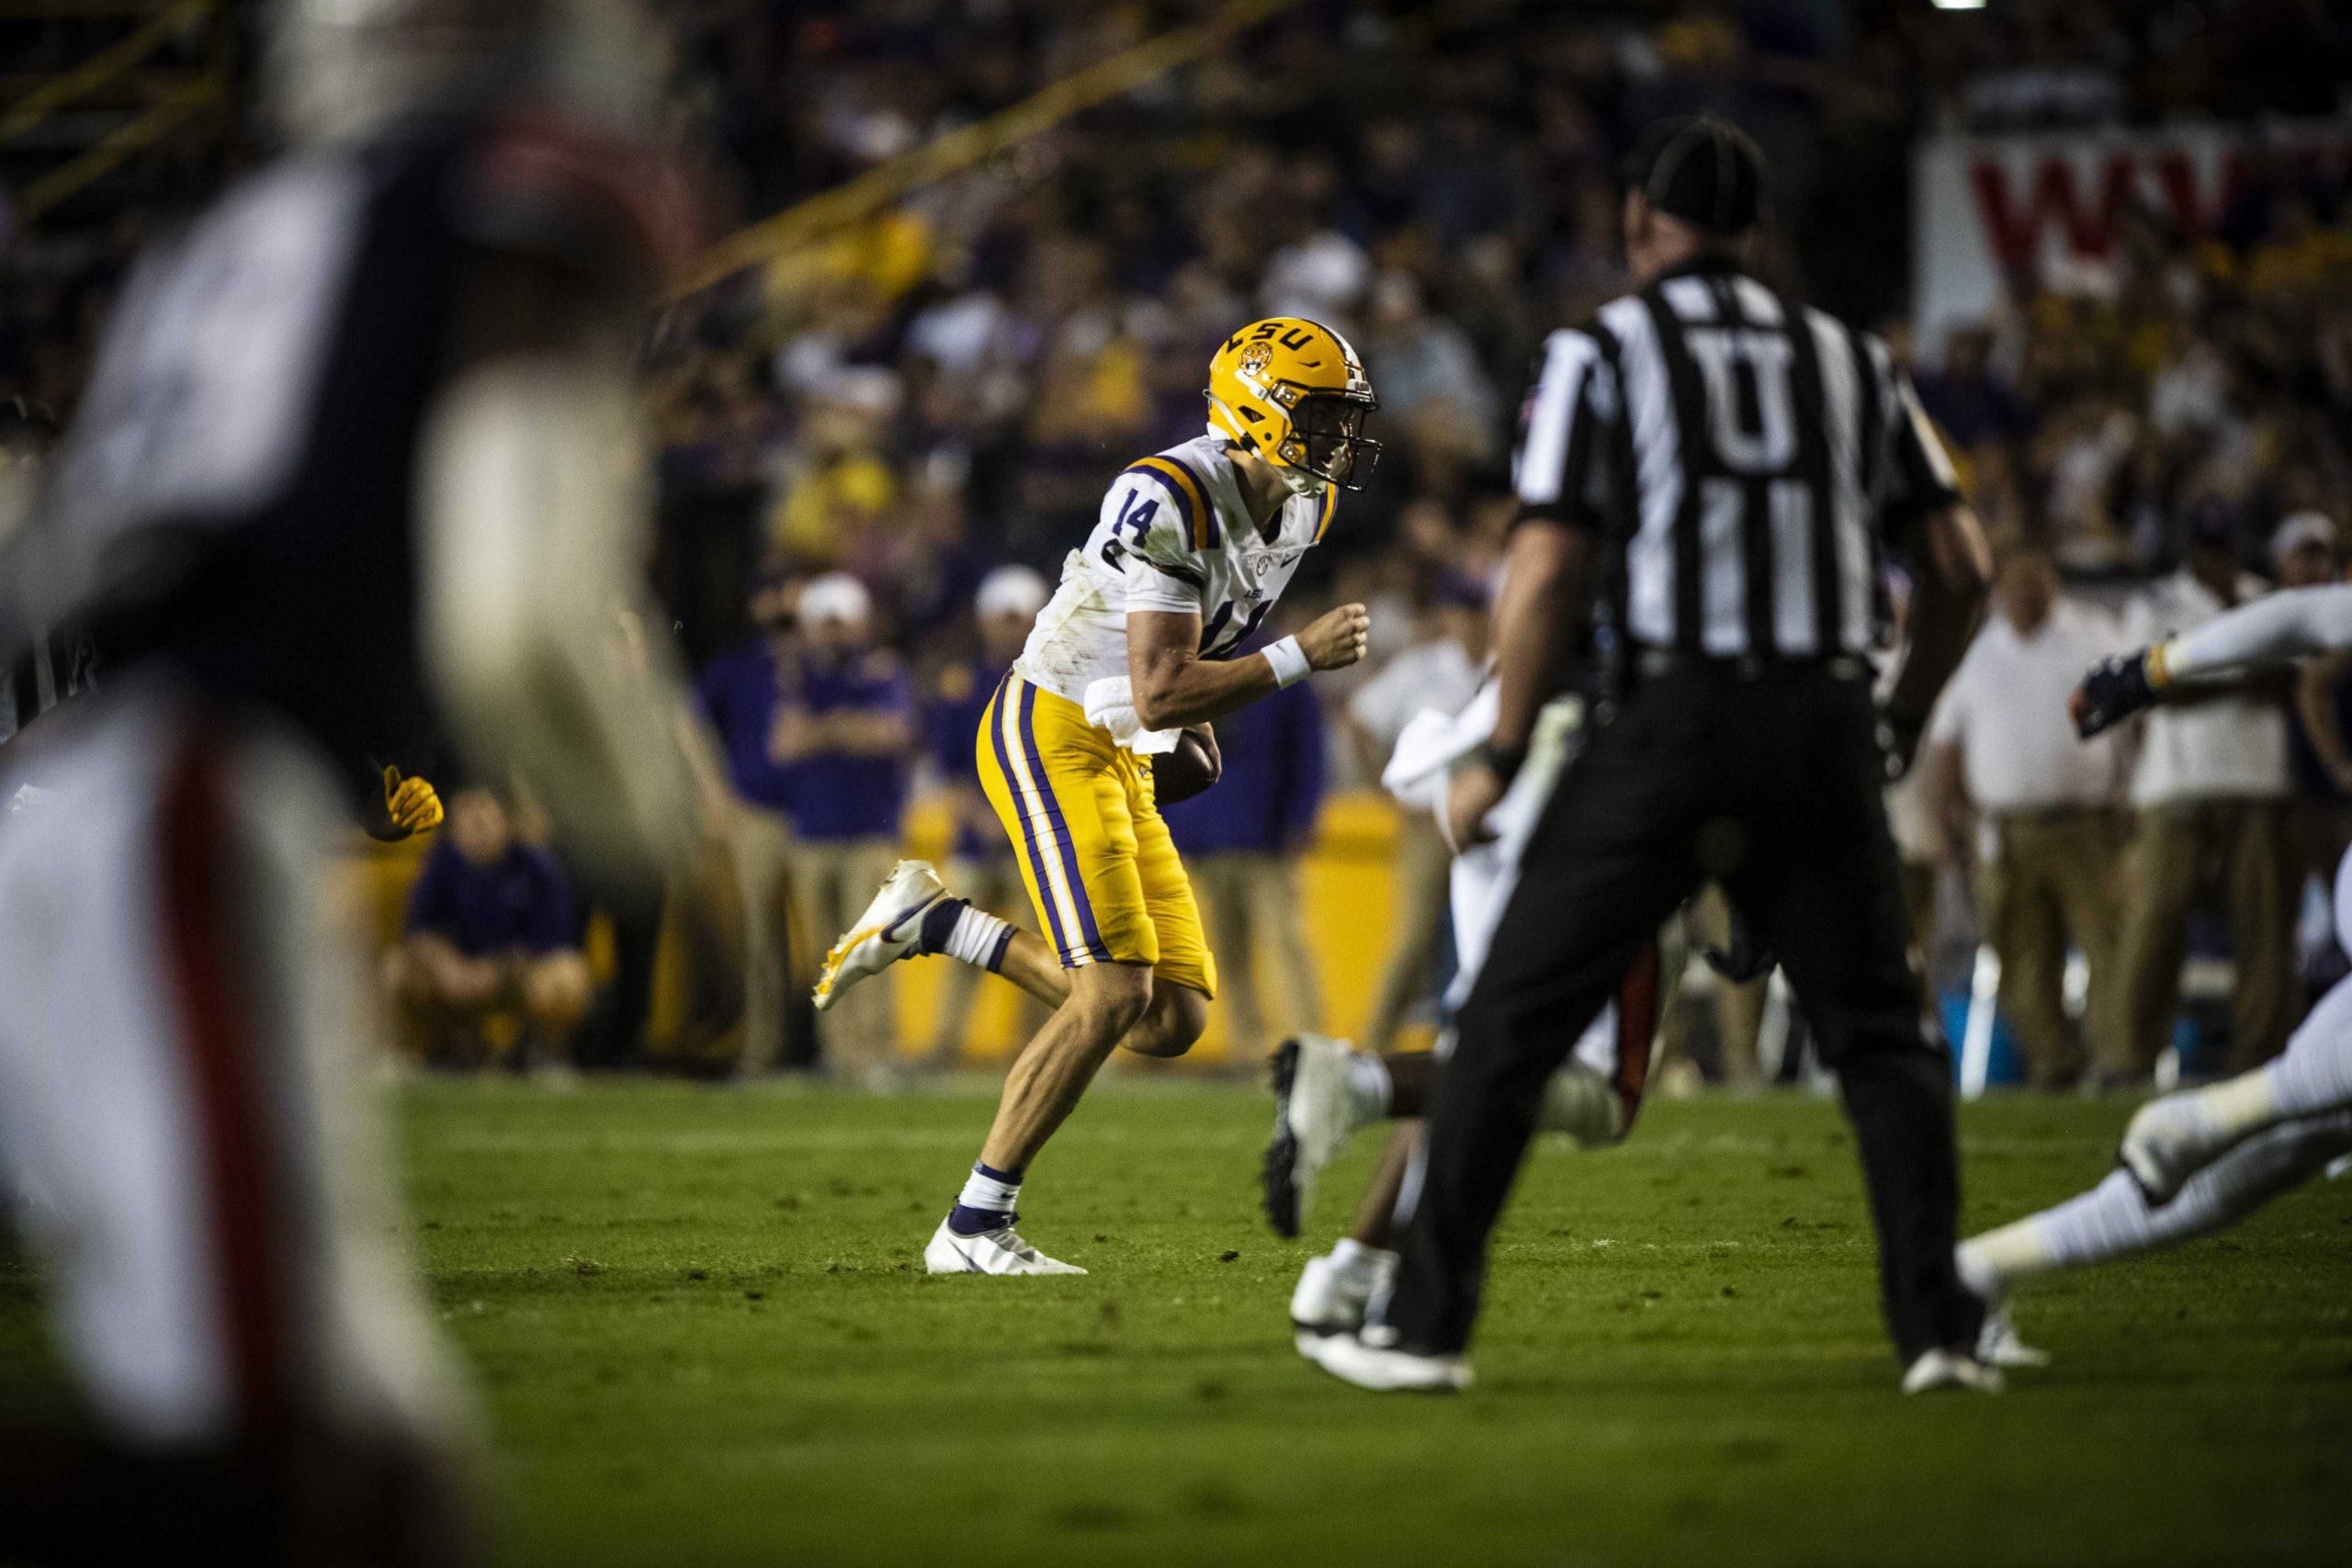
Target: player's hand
{"points": [[1337, 637], [2114, 689], [414, 804], [1475, 792]]}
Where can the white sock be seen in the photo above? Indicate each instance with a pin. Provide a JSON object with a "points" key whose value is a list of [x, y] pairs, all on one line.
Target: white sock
{"points": [[1986, 1264], [988, 1191], [2311, 1078], [977, 938], [1353, 1256], [1370, 1088]]}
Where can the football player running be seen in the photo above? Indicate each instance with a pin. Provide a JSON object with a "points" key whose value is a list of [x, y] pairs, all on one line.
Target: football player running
{"points": [[362, 445], [2194, 1162], [1127, 666], [1324, 1091]]}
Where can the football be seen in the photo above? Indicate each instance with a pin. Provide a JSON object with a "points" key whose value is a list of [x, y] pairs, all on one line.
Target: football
{"points": [[1188, 770]]}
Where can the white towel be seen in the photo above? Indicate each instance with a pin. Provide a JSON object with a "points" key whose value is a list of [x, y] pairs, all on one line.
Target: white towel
{"points": [[1111, 705], [1434, 744]]}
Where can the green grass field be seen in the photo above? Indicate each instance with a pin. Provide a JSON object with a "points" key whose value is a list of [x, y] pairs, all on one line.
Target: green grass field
{"points": [[699, 1326]]}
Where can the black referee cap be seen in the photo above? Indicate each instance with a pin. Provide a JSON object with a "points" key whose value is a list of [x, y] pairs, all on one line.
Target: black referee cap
{"points": [[1701, 169]]}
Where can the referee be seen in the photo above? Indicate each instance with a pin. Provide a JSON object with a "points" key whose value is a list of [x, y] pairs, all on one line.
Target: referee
{"points": [[1720, 468]]}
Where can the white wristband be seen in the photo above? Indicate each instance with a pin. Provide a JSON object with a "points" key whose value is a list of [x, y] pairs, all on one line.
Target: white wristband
{"points": [[1289, 661]]}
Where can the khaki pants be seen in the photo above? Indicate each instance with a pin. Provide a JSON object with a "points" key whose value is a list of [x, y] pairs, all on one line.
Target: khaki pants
{"points": [[2053, 876], [763, 860], [1253, 913], [839, 877], [1419, 904], [2241, 846], [993, 884]]}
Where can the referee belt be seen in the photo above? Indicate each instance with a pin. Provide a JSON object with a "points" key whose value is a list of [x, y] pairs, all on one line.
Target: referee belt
{"points": [[1655, 664]]}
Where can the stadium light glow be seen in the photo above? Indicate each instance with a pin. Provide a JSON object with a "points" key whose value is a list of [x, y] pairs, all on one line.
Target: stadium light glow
{"points": [[1958, 4]]}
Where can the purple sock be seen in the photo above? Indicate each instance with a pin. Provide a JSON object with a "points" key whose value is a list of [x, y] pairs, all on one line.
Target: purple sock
{"points": [[939, 924], [986, 1203]]}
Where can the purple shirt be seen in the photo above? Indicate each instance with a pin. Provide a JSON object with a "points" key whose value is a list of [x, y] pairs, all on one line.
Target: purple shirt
{"points": [[739, 691], [951, 736], [520, 901], [835, 795], [828, 796]]}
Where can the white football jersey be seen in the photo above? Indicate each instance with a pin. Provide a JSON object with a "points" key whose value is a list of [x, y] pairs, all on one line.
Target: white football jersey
{"points": [[1174, 535]]}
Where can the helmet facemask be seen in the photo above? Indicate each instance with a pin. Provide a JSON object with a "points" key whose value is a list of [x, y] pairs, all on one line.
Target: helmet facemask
{"points": [[1327, 438]]}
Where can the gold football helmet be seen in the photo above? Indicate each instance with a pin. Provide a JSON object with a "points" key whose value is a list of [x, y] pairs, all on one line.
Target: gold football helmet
{"points": [[1292, 393]]}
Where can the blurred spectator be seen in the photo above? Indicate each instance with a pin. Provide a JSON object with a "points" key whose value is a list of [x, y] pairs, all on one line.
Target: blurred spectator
{"points": [[2211, 789], [742, 694], [845, 731], [490, 958], [980, 864], [1973, 406], [2049, 835], [1440, 671], [1242, 840]]}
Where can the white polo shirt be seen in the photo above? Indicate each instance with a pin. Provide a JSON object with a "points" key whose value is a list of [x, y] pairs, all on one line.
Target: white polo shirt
{"points": [[2005, 709], [2234, 746], [1432, 676]]}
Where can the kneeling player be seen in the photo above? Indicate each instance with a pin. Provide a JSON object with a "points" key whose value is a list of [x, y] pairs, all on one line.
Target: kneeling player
{"points": [[1195, 546], [1324, 1091], [2196, 1162]]}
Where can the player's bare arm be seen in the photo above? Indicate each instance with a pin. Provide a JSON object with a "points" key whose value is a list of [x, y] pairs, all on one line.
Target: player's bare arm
{"points": [[1175, 688], [1955, 571]]}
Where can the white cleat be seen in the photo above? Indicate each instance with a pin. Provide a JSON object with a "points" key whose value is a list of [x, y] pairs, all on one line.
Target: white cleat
{"points": [[2169, 1140], [1000, 1251], [1332, 1293], [888, 931], [1999, 1345], [1385, 1369], [1937, 1371], [1314, 1114]]}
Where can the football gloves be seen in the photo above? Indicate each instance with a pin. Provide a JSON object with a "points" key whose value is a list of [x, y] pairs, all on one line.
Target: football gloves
{"points": [[2115, 689], [414, 804]]}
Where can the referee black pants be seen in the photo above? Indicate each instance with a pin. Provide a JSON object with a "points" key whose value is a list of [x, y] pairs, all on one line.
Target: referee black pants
{"points": [[1771, 784]]}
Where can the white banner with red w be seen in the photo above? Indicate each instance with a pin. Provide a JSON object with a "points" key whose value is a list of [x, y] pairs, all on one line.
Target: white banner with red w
{"points": [[1994, 214]]}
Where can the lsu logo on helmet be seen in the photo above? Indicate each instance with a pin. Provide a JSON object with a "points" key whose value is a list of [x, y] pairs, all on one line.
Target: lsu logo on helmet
{"points": [[1291, 392]]}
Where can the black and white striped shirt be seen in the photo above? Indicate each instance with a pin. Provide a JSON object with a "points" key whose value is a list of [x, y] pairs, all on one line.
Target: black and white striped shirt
{"points": [[1742, 456]]}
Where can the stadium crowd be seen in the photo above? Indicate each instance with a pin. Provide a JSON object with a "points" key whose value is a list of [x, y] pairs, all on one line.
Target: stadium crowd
{"points": [[875, 451]]}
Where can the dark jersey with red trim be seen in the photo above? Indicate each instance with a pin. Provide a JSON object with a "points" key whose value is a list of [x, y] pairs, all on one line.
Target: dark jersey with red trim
{"points": [[237, 495]]}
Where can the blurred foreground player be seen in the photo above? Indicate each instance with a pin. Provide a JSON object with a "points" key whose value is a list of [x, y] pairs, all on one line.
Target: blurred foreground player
{"points": [[1723, 467], [364, 430], [2194, 1162]]}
